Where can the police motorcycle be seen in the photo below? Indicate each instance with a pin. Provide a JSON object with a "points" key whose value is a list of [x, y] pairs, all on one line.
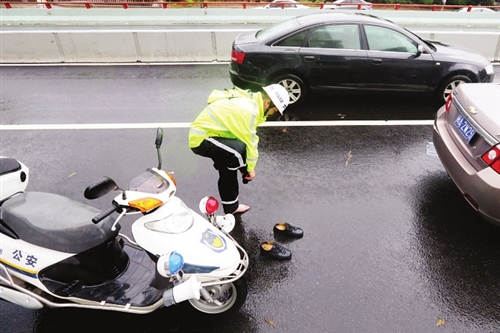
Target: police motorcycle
{"points": [[57, 252]]}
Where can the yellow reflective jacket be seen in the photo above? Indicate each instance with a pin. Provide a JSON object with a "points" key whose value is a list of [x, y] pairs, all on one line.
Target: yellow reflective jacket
{"points": [[232, 114]]}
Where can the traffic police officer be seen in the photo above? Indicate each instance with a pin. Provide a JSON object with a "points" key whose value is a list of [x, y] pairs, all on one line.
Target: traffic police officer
{"points": [[226, 132]]}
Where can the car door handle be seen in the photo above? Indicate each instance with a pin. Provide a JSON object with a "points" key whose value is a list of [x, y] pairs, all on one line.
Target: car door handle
{"points": [[309, 58], [377, 61]]}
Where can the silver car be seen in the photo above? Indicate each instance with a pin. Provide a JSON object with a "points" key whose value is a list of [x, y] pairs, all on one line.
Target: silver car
{"points": [[467, 140], [349, 4]]}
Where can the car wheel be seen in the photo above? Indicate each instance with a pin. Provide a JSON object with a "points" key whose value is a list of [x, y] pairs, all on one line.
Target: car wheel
{"points": [[295, 86], [449, 85]]}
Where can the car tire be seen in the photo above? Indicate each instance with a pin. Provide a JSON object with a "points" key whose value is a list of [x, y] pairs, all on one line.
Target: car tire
{"points": [[449, 85], [296, 88]]}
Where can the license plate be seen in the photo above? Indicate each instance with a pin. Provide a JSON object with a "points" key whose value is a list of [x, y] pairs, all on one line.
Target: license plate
{"points": [[465, 128]]}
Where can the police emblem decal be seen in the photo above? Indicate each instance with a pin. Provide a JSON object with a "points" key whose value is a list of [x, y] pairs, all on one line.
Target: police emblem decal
{"points": [[213, 241]]}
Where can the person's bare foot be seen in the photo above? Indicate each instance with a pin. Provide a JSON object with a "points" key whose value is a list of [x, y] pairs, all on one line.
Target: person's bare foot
{"points": [[241, 209]]}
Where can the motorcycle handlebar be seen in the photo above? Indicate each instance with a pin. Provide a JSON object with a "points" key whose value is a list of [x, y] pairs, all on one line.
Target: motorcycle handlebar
{"points": [[102, 215]]}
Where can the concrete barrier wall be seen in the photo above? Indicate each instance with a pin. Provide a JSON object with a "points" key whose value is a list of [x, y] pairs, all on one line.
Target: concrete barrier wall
{"points": [[35, 41], [90, 46]]}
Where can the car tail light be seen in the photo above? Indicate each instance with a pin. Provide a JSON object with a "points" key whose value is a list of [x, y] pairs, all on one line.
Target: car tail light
{"points": [[449, 100], [237, 57], [492, 158]]}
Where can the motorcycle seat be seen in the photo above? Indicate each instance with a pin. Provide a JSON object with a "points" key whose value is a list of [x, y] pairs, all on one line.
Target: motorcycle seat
{"points": [[55, 222]]}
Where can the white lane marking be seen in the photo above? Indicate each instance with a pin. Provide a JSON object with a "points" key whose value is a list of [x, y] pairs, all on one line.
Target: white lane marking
{"points": [[90, 64], [35, 127]]}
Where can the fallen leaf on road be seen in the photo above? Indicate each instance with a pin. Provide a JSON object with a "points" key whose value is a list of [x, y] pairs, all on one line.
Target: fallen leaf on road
{"points": [[349, 155], [270, 322], [440, 322]]}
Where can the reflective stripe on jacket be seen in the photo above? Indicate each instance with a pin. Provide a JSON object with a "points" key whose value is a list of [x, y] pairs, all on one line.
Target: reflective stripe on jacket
{"points": [[233, 114]]}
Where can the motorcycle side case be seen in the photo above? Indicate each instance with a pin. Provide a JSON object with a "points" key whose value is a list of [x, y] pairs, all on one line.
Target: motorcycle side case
{"points": [[14, 177]]}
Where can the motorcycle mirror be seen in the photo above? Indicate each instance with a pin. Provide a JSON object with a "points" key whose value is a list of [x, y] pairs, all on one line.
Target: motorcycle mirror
{"points": [[99, 188], [159, 140], [159, 137]]}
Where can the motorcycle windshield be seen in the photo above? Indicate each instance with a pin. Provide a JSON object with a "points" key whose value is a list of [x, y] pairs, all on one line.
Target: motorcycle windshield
{"points": [[172, 218], [149, 182]]}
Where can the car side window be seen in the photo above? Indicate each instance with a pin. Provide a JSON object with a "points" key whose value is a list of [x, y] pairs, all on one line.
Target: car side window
{"points": [[338, 36], [384, 39], [294, 40]]}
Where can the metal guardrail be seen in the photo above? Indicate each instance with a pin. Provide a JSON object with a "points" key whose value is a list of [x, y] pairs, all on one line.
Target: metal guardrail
{"points": [[88, 4]]}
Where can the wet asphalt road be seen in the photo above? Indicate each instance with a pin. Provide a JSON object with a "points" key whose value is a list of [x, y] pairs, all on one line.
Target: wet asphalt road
{"points": [[389, 245]]}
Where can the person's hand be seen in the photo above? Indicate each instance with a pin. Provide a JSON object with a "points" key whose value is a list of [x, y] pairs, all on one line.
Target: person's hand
{"points": [[250, 175], [247, 176]]}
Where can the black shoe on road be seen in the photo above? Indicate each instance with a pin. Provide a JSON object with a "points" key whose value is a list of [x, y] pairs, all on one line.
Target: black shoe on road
{"points": [[288, 230], [275, 251]]}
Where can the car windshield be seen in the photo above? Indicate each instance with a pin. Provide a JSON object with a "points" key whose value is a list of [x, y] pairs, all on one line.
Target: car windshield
{"points": [[149, 182], [274, 30]]}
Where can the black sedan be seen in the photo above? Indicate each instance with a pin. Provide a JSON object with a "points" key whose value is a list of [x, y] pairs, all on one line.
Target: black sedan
{"points": [[351, 52]]}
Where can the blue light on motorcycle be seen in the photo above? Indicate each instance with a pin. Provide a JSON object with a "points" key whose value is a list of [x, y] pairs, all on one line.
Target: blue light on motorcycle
{"points": [[170, 264], [175, 263]]}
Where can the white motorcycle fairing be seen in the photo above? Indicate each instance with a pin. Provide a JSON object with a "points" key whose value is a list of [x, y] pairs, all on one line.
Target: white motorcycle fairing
{"points": [[173, 226], [58, 252]]}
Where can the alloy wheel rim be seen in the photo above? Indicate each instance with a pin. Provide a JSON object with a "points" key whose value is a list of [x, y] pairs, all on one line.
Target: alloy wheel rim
{"points": [[293, 88], [450, 87]]}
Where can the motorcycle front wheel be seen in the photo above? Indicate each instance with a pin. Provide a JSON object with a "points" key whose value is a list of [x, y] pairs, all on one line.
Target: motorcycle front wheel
{"points": [[226, 297]]}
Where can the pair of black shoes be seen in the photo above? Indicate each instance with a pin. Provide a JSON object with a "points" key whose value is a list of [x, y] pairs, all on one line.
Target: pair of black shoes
{"points": [[277, 251]]}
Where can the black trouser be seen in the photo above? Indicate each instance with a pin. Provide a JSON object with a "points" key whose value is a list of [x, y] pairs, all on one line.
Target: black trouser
{"points": [[229, 156]]}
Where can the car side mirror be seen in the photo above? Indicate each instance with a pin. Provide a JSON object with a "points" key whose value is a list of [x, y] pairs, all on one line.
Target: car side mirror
{"points": [[420, 50]]}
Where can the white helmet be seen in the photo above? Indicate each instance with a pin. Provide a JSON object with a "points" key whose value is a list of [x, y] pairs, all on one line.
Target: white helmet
{"points": [[279, 96]]}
